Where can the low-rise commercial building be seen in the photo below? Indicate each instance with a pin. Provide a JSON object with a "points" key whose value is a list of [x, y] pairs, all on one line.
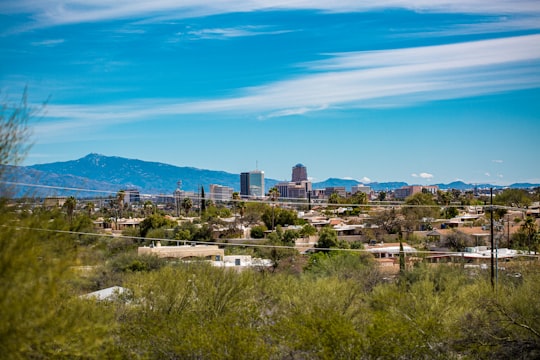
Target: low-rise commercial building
{"points": [[207, 252]]}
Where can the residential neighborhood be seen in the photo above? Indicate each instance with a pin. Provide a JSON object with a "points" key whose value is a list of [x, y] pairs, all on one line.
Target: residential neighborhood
{"points": [[430, 224]]}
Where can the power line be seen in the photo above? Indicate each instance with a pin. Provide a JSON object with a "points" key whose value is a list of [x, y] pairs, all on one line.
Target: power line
{"points": [[408, 253]]}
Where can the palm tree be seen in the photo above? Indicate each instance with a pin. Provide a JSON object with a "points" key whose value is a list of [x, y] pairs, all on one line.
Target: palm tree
{"points": [[89, 207], [334, 198], [120, 201], [148, 207], [187, 204], [274, 195], [242, 207], [360, 198], [70, 204]]}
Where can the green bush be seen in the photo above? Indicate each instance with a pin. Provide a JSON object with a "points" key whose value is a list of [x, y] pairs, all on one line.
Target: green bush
{"points": [[257, 231]]}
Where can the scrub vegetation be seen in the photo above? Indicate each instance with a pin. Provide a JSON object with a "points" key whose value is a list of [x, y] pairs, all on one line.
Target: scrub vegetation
{"points": [[339, 306]]}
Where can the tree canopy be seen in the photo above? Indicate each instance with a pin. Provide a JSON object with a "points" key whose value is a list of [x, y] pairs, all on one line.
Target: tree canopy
{"points": [[513, 197]]}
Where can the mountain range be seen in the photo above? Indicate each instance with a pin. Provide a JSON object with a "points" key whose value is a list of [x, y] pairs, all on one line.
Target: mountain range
{"points": [[95, 174]]}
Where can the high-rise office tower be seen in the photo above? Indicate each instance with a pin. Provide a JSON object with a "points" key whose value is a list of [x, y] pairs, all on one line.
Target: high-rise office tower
{"points": [[244, 184], [299, 173], [252, 183]]}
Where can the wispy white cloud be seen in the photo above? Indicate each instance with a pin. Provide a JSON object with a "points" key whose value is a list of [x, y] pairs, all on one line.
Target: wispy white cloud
{"points": [[497, 161], [52, 42], [396, 77], [292, 112], [226, 33], [56, 12], [489, 25], [365, 179], [487, 174]]}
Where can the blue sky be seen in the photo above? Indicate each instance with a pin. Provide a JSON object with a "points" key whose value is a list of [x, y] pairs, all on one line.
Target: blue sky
{"points": [[421, 91]]}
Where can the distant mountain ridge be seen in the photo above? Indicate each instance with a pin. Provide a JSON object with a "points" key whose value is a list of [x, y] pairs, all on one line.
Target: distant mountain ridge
{"points": [[349, 183], [111, 173], [148, 177]]}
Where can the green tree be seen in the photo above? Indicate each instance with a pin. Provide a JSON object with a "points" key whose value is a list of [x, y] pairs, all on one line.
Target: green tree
{"points": [[257, 231], [203, 233], [187, 204], [327, 239], [450, 212], [359, 198], [279, 217], [401, 257], [277, 249], [153, 222], [513, 197], [253, 212], [70, 205], [388, 220], [444, 197], [308, 230], [203, 201], [334, 198], [418, 207], [290, 236]]}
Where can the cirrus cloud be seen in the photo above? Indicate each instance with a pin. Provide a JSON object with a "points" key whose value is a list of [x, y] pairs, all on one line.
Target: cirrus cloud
{"points": [[58, 12]]}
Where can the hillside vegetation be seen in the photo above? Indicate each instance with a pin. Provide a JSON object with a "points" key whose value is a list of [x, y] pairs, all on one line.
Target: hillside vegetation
{"points": [[339, 307]]}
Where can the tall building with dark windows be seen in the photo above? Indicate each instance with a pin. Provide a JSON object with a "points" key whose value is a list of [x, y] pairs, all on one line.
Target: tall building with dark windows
{"points": [[244, 184], [299, 173], [252, 183]]}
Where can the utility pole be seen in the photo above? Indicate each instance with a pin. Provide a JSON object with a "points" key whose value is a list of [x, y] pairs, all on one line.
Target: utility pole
{"points": [[492, 240], [508, 231]]}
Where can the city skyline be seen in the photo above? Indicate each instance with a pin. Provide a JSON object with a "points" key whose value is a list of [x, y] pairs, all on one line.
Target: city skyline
{"points": [[379, 91]]}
